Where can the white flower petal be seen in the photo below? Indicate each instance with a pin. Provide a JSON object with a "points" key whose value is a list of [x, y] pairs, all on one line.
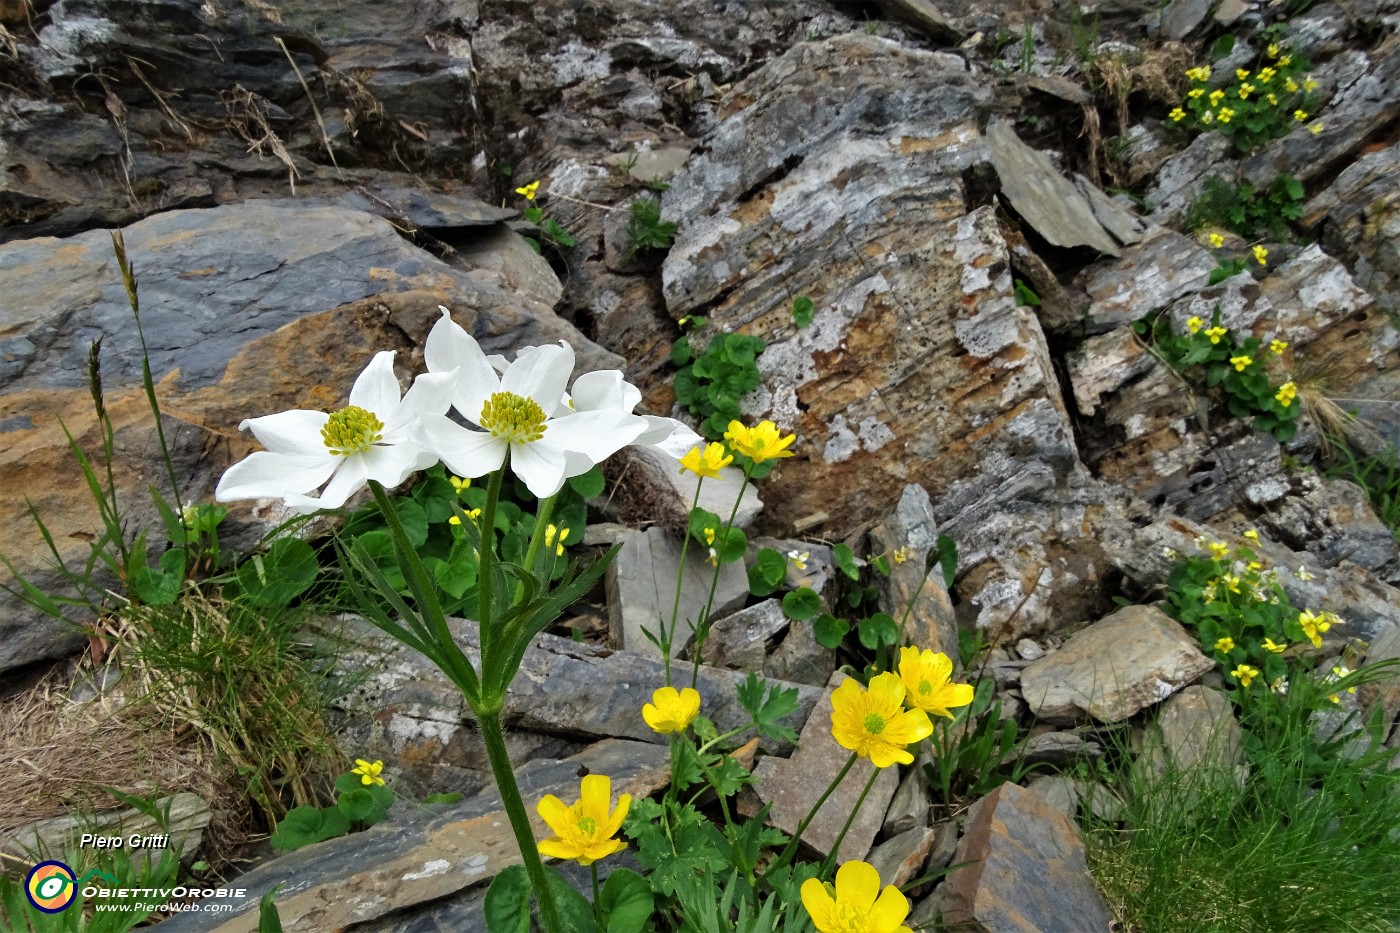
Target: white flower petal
{"points": [[347, 481], [449, 347], [541, 467], [268, 475], [431, 393], [602, 389], [671, 437], [376, 389], [596, 435], [296, 432], [391, 464], [542, 374], [466, 453]]}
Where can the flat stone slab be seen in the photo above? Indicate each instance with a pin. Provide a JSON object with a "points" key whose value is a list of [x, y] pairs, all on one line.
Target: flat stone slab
{"points": [[737, 641], [1116, 667]]}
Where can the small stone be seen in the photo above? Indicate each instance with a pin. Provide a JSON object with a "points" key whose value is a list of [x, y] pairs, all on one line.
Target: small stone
{"points": [[648, 165], [1181, 17], [1122, 224], [901, 859], [1230, 10], [912, 527], [910, 807], [1059, 791], [1029, 650], [1116, 667], [1058, 749], [738, 641], [800, 658]]}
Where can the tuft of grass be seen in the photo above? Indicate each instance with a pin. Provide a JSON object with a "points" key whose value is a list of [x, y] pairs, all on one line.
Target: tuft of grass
{"points": [[1306, 842], [645, 229]]}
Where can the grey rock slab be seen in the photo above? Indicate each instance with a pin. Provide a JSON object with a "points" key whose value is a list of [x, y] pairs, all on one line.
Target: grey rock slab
{"points": [[188, 818], [1151, 274], [1027, 871], [1194, 737], [925, 16], [900, 859], [1181, 177], [793, 785], [1333, 520], [738, 641], [909, 809], [1059, 791], [422, 207], [422, 855], [1104, 364], [1114, 668], [647, 165], [1230, 10], [1181, 17], [641, 589], [913, 528], [1124, 226], [1042, 195], [800, 658], [1057, 749]]}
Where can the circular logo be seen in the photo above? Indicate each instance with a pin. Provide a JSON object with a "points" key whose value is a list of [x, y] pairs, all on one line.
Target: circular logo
{"points": [[50, 886]]}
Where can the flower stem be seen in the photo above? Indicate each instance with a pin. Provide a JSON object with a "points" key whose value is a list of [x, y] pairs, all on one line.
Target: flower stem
{"points": [[703, 627], [669, 637], [485, 558], [841, 836], [791, 848], [495, 739]]}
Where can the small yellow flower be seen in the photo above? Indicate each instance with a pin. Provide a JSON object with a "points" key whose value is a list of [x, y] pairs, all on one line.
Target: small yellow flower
{"points": [[473, 514], [1177, 114], [1272, 50], [1285, 61], [1241, 363], [1266, 75], [1285, 395], [1225, 645], [1315, 128], [927, 677], [873, 723], [671, 710], [1278, 346], [1255, 565], [900, 555], [1215, 333], [1242, 74], [549, 539], [1291, 86], [1218, 549], [1195, 92], [1216, 240], [759, 443], [799, 559], [1245, 674], [1261, 255], [1207, 117], [713, 558], [707, 461], [1194, 324], [1245, 90], [368, 771], [1231, 583], [1198, 74], [585, 830], [709, 534], [1226, 114], [1272, 99], [1273, 647], [1338, 673], [1252, 535], [1216, 97], [458, 483], [1314, 626], [1309, 84], [529, 191], [1300, 115], [855, 904]]}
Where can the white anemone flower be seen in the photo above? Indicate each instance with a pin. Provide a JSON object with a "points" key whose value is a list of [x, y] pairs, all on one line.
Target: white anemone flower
{"points": [[372, 438], [518, 412]]}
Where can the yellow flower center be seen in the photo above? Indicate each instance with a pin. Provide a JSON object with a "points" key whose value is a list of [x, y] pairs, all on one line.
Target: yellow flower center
{"points": [[352, 430], [587, 825], [512, 418], [874, 723]]}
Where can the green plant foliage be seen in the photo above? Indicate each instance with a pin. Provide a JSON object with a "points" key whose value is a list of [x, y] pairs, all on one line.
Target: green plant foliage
{"points": [[971, 761], [767, 573], [1243, 209], [802, 311], [358, 806], [711, 384], [645, 228], [1256, 105], [1026, 296], [801, 604]]}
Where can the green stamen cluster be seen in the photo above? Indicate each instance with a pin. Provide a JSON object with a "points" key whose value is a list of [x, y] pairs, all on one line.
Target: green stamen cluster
{"points": [[874, 723], [352, 430], [512, 418]]}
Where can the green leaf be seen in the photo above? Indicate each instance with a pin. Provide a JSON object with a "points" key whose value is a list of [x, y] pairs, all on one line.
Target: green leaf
{"points": [[878, 630], [1025, 296], [588, 484], [269, 921], [772, 565], [802, 310], [845, 561], [830, 631], [287, 570], [626, 902], [801, 604], [507, 905], [442, 798], [766, 711], [731, 545], [1223, 46], [414, 519], [357, 805], [1292, 186], [948, 559], [161, 585], [458, 573], [681, 352], [576, 914]]}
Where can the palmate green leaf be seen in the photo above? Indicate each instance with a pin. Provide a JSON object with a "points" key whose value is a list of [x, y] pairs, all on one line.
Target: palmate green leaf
{"points": [[830, 631], [766, 710], [801, 604], [506, 908]]}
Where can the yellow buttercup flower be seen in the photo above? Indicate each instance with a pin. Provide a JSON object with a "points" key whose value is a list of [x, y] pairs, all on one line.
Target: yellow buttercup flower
{"points": [[707, 461], [759, 443], [1225, 645], [671, 710], [368, 771], [855, 904], [873, 722], [585, 830], [927, 678], [1216, 240], [1245, 674], [1274, 647], [529, 191], [1177, 114], [1278, 346], [1261, 255], [1241, 363]]}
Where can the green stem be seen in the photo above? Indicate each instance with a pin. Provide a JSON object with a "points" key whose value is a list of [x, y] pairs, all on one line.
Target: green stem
{"points": [[703, 628], [597, 916], [542, 517], [669, 638], [791, 848], [841, 836], [486, 554], [495, 739]]}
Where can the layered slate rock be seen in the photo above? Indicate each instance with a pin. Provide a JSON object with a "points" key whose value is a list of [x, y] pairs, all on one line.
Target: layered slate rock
{"points": [[247, 310], [1027, 871], [1119, 665]]}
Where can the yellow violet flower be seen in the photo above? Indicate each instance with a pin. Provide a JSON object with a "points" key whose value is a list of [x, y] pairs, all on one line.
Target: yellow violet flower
{"points": [[1315, 128], [707, 461], [1314, 626], [1194, 324], [1245, 674], [855, 904], [368, 771], [1309, 84], [1266, 74], [1242, 74], [927, 677], [529, 191], [1272, 646], [1218, 549], [900, 555], [1225, 645], [1285, 61], [1252, 535], [759, 443], [1241, 363], [1272, 99], [1272, 50], [873, 722], [671, 710], [1278, 346], [1216, 97], [1245, 90], [1291, 86], [585, 830], [549, 535], [1216, 240], [1207, 117], [1285, 395], [1226, 114], [1337, 674], [473, 514], [799, 559], [1300, 115], [1261, 255], [458, 483], [1231, 583], [1177, 114], [1198, 74], [1195, 92]]}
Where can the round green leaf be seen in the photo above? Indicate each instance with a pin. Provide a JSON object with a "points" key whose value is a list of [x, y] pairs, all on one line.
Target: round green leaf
{"points": [[801, 604], [879, 629], [830, 631], [507, 905], [357, 805], [626, 902], [287, 570]]}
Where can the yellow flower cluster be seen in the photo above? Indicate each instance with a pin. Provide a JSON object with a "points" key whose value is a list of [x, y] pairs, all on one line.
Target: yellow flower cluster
{"points": [[760, 443], [1254, 106], [873, 722]]}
